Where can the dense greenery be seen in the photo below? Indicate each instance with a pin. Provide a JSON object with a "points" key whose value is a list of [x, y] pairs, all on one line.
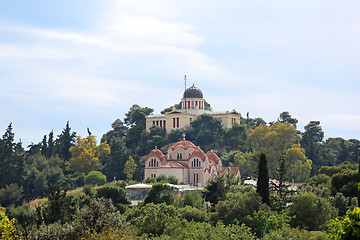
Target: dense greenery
{"points": [[226, 209]]}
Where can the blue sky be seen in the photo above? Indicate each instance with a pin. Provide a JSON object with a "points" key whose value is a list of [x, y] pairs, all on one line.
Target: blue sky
{"points": [[89, 61]]}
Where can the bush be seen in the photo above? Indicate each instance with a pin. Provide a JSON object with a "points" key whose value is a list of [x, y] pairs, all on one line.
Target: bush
{"points": [[95, 178], [179, 230], [116, 194], [349, 227], [153, 218], [291, 233], [11, 194], [24, 216], [311, 212], [192, 214]]}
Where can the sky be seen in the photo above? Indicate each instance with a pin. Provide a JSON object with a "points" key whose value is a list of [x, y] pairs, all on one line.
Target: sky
{"points": [[89, 61]]}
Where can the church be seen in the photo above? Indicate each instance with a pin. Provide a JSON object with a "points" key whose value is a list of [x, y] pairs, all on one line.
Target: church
{"points": [[187, 162], [191, 106]]}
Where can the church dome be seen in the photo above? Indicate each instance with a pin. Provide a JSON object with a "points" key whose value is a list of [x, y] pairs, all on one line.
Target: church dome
{"points": [[193, 92]]}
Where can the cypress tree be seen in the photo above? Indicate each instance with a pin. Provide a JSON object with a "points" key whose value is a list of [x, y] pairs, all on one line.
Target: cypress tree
{"points": [[263, 180]]}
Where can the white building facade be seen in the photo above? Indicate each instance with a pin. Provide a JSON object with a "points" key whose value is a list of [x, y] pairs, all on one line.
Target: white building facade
{"points": [[191, 106]]}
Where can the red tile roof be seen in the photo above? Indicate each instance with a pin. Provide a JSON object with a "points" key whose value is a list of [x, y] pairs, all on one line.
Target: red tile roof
{"points": [[198, 152], [212, 156], [173, 164], [155, 153], [183, 144], [234, 170]]}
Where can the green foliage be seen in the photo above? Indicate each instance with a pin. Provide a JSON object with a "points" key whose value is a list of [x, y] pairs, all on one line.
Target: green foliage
{"points": [[7, 228], [263, 222], [311, 212], [95, 178], [64, 142], [201, 230], [113, 164], [240, 201], [194, 199], [56, 208], [347, 228], [163, 179], [192, 214], [24, 216], [11, 164], [246, 163], [86, 154], [345, 182], [287, 233], [75, 179], [160, 193], [272, 141], [40, 172], [235, 137], [343, 167], [263, 180], [116, 194], [217, 187], [130, 167], [152, 218], [319, 180], [93, 218], [11, 194], [206, 131], [286, 117], [98, 214]]}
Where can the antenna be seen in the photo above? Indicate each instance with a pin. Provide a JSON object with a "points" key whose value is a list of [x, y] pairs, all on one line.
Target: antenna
{"points": [[184, 92]]}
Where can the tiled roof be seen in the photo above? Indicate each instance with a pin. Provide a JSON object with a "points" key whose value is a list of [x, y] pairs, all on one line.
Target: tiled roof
{"points": [[183, 144], [234, 170], [214, 157], [198, 152], [173, 164], [155, 153]]}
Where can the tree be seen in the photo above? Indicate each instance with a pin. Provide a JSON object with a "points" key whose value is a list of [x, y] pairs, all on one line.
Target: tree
{"points": [[272, 141], [11, 160], [114, 163], [56, 208], [206, 131], [263, 180], [286, 117], [298, 165], [312, 212], [117, 195], [117, 133], [64, 142], [235, 137], [217, 187], [95, 178], [11, 194], [130, 167], [311, 138], [347, 228], [86, 154], [136, 120], [240, 202], [160, 193]]}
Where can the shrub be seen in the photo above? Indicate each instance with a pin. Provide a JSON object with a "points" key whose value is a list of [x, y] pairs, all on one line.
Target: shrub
{"points": [[95, 178], [191, 213], [312, 212], [117, 195]]}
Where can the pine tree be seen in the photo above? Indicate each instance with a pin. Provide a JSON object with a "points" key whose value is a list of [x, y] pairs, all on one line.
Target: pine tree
{"points": [[263, 180], [50, 145], [65, 141], [11, 162]]}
